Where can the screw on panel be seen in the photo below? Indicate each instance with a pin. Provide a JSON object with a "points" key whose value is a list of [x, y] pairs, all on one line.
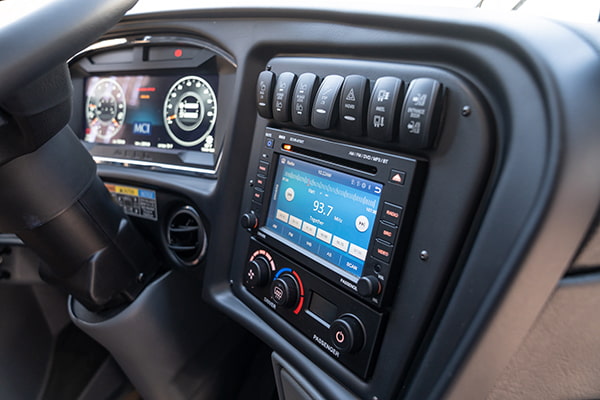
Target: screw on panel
{"points": [[466, 111], [268, 67], [424, 256], [140, 277]]}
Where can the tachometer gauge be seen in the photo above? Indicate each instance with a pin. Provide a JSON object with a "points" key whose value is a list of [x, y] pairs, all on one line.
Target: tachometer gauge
{"points": [[190, 111], [106, 109]]}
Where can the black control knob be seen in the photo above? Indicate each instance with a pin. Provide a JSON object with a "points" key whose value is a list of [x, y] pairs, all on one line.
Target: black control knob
{"points": [[347, 334], [284, 291], [368, 286], [258, 272], [249, 220]]}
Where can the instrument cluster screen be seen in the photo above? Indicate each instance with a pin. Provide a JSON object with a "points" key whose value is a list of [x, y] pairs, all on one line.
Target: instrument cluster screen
{"points": [[328, 213], [164, 112]]}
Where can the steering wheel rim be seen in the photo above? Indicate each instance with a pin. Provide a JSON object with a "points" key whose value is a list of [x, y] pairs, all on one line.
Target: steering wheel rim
{"points": [[38, 35]]}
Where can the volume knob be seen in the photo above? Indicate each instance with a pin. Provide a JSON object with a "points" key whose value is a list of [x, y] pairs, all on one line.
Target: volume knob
{"points": [[284, 291], [249, 220], [368, 285]]}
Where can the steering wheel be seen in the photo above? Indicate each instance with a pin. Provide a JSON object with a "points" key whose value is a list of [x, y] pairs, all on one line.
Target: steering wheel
{"points": [[38, 35], [51, 196]]}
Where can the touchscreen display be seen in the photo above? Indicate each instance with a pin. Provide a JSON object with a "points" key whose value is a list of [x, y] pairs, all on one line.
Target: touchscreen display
{"points": [[328, 213], [165, 112]]}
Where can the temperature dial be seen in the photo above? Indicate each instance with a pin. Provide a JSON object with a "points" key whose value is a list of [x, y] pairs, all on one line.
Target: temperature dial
{"points": [[285, 291]]}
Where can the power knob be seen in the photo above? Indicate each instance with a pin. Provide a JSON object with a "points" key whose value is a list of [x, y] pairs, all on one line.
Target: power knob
{"points": [[258, 272], [249, 220], [347, 334], [284, 291]]}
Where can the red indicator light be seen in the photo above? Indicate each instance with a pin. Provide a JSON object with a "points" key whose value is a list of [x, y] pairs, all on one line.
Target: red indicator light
{"points": [[147, 89], [178, 53]]}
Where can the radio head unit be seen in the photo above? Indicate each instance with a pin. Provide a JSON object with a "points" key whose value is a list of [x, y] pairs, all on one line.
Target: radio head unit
{"points": [[338, 210]]}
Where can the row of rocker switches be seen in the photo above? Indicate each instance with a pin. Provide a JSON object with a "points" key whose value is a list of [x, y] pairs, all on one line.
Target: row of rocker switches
{"points": [[385, 113]]}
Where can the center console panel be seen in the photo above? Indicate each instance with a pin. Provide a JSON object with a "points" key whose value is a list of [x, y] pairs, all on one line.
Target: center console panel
{"points": [[344, 160], [341, 211]]}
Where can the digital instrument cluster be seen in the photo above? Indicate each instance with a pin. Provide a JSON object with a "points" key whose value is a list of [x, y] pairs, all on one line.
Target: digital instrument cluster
{"points": [[153, 103], [161, 112]]}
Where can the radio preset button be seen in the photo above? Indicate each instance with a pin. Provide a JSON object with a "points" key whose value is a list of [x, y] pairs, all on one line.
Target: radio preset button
{"points": [[302, 99], [282, 96], [325, 108], [382, 251], [355, 93], [264, 94], [391, 213], [383, 109], [386, 232], [347, 334]]}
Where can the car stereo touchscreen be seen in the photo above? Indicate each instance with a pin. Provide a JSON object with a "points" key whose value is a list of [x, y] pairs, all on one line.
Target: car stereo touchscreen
{"points": [[152, 111], [328, 213], [338, 210]]}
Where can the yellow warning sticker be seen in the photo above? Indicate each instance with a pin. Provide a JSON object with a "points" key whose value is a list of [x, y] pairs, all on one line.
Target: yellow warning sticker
{"points": [[130, 191]]}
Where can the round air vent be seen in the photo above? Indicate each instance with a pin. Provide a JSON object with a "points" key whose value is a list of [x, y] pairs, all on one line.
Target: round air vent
{"points": [[186, 236]]}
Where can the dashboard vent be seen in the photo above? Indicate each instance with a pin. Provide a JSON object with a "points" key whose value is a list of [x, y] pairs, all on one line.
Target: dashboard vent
{"points": [[186, 236]]}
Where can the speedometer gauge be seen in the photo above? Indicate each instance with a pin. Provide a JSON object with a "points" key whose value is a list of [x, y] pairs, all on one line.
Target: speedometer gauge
{"points": [[106, 109], [190, 111]]}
